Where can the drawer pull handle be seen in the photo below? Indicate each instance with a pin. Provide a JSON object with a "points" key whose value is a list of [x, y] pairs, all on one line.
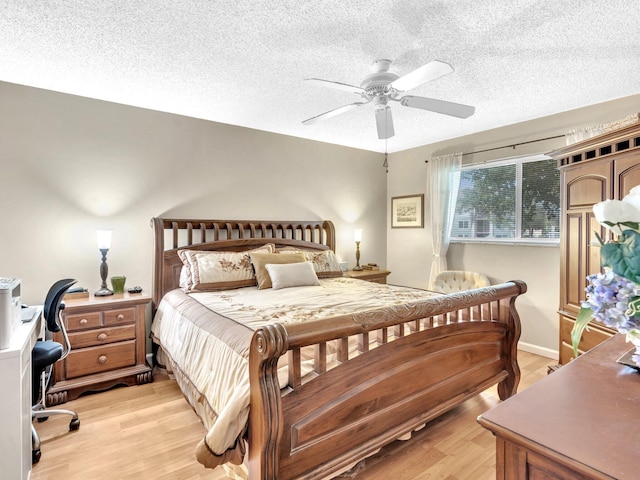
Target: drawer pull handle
{"points": [[84, 321], [102, 337], [102, 359], [120, 316]]}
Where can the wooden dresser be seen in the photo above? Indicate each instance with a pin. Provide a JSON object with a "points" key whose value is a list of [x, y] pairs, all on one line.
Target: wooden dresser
{"points": [[597, 169], [108, 346], [376, 276], [580, 422]]}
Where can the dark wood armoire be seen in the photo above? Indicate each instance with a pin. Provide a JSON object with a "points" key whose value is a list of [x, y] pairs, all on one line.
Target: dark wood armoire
{"points": [[603, 167]]}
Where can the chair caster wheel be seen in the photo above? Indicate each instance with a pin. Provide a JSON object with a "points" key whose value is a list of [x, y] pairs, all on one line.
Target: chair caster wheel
{"points": [[35, 456], [74, 424], [42, 419]]}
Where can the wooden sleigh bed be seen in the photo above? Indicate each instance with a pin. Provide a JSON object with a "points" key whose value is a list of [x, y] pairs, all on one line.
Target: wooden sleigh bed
{"points": [[413, 361]]}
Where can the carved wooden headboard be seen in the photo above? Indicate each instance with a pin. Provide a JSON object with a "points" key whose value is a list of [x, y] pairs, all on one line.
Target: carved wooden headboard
{"points": [[170, 235]]}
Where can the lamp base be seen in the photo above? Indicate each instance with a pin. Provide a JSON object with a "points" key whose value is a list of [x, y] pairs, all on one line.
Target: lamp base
{"points": [[357, 268], [103, 292]]}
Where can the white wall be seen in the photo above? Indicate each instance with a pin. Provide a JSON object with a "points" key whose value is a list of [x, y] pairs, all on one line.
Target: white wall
{"points": [[409, 250], [70, 165]]}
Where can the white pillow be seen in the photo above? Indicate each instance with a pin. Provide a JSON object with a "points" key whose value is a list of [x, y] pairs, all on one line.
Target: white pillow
{"points": [[292, 275], [259, 260], [184, 277]]}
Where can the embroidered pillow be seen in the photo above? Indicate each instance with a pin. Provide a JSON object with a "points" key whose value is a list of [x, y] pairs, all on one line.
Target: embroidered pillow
{"points": [[260, 260], [287, 275], [325, 263], [211, 270]]}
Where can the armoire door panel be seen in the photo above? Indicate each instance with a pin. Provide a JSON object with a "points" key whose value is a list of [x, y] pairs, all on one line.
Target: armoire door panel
{"points": [[587, 186], [592, 256], [627, 175], [574, 241]]}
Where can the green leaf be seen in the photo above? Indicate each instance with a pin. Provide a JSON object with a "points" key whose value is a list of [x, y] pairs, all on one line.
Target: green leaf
{"points": [[584, 317], [631, 225], [634, 307], [597, 235], [623, 257]]}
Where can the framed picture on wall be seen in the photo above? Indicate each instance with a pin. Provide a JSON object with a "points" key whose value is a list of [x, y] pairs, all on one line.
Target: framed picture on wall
{"points": [[407, 211]]}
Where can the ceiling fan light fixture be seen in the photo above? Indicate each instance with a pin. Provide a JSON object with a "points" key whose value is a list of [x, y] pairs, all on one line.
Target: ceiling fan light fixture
{"points": [[384, 122]]}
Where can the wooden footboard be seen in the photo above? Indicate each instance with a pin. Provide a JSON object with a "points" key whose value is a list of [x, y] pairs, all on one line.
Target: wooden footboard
{"points": [[413, 363]]}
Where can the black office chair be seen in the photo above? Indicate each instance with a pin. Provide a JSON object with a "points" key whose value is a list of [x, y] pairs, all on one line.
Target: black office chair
{"points": [[45, 353]]}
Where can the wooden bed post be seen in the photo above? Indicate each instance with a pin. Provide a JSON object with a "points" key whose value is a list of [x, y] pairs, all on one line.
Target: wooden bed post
{"points": [[509, 385], [158, 241], [268, 344]]}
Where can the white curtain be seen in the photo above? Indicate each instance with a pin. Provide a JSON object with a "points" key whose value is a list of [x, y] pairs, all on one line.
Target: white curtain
{"points": [[442, 186]]}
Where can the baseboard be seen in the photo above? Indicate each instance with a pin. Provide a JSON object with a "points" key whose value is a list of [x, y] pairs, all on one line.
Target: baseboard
{"points": [[150, 359], [537, 350]]}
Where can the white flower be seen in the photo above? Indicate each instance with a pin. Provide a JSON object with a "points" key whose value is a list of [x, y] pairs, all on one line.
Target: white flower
{"points": [[611, 213], [633, 336], [633, 197]]}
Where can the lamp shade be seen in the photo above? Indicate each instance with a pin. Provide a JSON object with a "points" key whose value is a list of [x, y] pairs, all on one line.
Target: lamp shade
{"points": [[357, 235], [104, 238]]}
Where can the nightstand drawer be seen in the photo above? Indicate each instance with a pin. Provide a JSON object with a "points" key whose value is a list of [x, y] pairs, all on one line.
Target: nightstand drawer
{"points": [[82, 321], [119, 317], [378, 280], [100, 359], [102, 336]]}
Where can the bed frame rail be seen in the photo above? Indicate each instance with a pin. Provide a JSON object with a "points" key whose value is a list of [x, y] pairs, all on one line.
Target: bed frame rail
{"points": [[412, 363]]}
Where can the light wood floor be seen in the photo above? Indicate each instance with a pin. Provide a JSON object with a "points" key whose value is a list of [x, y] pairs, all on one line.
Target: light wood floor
{"points": [[150, 432]]}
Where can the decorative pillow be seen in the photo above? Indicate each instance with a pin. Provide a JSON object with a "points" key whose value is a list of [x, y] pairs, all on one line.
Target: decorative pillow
{"points": [[325, 263], [207, 270], [260, 260], [292, 275]]}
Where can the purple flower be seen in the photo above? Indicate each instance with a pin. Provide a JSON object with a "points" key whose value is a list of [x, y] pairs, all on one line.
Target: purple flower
{"points": [[608, 296]]}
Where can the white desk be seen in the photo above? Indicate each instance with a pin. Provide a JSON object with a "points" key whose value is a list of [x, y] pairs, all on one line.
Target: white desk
{"points": [[15, 401]]}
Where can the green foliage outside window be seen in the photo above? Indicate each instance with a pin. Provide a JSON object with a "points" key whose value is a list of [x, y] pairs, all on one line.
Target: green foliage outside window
{"points": [[512, 200]]}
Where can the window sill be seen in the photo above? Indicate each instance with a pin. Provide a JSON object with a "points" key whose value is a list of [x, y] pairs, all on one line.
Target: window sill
{"points": [[553, 242]]}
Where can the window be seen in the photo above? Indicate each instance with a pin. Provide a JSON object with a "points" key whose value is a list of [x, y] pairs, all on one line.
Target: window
{"points": [[516, 199]]}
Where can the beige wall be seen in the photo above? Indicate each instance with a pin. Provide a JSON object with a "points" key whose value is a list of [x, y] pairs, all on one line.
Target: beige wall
{"points": [[409, 251], [71, 165]]}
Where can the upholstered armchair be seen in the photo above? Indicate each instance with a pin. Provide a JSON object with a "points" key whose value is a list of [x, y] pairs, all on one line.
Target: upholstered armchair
{"points": [[451, 281]]}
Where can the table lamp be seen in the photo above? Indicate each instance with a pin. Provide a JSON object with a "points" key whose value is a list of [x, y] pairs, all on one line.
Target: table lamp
{"points": [[104, 243], [357, 236]]}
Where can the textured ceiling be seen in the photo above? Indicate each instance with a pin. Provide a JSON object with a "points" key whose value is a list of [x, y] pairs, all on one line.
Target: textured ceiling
{"points": [[244, 62]]}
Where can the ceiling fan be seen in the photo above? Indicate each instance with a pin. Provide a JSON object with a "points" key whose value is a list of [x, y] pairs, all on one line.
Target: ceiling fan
{"points": [[382, 86]]}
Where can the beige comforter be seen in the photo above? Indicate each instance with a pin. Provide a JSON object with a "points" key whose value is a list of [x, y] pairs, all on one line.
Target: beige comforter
{"points": [[206, 338]]}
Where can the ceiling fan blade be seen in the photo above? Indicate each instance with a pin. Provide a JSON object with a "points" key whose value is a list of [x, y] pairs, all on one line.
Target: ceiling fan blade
{"points": [[384, 122], [425, 73], [337, 85], [439, 106], [332, 113]]}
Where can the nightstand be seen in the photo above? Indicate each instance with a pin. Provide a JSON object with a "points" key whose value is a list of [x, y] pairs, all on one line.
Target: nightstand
{"points": [[108, 346], [376, 276]]}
